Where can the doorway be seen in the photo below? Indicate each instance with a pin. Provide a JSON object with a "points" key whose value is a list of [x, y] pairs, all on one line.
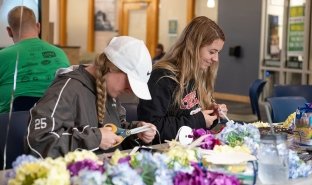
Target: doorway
{"points": [[139, 19]]}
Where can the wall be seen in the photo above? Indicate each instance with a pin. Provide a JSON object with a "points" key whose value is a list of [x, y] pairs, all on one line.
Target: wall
{"points": [[241, 23], [166, 13], [102, 38], [201, 9], [171, 10], [54, 19], [77, 23]]}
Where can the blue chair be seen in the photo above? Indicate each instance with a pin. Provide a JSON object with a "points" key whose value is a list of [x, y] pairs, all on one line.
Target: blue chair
{"points": [[23, 103], [16, 136], [131, 111], [293, 90], [279, 108], [255, 90]]}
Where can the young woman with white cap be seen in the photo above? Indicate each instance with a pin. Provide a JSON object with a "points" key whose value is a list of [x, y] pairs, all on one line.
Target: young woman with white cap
{"points": [[74, 109]]}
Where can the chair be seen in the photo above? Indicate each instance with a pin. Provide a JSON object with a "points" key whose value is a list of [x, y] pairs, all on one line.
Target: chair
{"points": [[293, 90], [131, 111], [255, 91], [279, 108], [15, 140], [24, 103]]}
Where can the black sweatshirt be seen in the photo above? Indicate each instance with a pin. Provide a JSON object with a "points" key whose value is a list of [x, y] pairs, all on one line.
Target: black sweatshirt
{"points": [[162, 112]]}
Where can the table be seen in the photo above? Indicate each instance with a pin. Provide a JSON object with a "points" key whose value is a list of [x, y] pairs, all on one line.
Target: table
{"points": [[300, 181]]}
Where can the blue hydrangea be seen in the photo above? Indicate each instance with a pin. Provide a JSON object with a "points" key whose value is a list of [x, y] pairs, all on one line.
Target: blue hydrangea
{"points": [[123, 174], [238, 134], [153, 168], [297, 167], [89, 177], [162, 174], [146, 158], [252, 145], [177, 167], [22, 159]]}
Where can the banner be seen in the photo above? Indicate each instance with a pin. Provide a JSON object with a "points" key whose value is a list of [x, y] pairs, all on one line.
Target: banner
{"points": [[296, 31]]}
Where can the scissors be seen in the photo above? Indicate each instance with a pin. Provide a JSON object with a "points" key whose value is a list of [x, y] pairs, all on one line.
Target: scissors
{"points": [[126, 132]]}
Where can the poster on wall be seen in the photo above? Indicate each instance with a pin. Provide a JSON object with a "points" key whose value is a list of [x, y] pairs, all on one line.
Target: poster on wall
{"points": [[105, 15], [173, 27], [295, 43], [273, 48]]}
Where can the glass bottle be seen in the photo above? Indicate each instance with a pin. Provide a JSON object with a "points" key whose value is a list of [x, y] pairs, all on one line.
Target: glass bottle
{"points": [[273, 159]]}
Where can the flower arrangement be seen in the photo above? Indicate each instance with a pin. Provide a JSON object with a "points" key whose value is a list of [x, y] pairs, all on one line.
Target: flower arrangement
{"points": [[235, 134], [248, 135], [177, 166], [39, 172]]}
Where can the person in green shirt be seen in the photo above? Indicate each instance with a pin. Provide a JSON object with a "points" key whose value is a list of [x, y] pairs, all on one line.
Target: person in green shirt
{"points": [[37, 60]]}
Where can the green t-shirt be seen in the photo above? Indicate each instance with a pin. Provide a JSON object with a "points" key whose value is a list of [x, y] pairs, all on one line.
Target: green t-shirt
{"points": [[37, 64]]}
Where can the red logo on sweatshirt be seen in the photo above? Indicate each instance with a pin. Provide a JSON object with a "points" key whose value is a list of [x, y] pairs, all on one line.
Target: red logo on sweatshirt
{"points": [[189, 101]]}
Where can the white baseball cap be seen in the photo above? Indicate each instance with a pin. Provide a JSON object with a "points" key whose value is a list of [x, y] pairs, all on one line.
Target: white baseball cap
{"points": [[132, 57]]}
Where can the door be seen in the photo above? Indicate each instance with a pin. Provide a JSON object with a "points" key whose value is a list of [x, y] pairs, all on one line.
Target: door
{"points": [[139, 19]]}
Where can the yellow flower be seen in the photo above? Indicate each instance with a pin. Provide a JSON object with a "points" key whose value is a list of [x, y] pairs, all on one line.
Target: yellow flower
{"points": [[28, 173], [44, 172], [183, 155], [227, 148], [290, 119], [116, 156], [79, 156]]}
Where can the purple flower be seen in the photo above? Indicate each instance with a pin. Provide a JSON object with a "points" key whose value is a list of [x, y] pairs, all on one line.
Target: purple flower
{"points": [[74, 168], [198, 176], [182, 178], [216, 178], [124, 159], [201, 176], [199, 132], [209, 142]]}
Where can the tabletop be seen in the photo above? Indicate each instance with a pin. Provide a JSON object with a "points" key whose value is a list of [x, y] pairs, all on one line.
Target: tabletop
{"points": [[162, 147]]}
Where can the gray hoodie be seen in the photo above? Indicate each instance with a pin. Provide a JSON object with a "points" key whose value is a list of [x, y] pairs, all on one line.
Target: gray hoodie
{"points": [[65, 118]]}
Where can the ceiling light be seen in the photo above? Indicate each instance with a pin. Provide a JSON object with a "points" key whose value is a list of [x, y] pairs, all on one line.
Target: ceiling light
{"points": [[211, 3]]}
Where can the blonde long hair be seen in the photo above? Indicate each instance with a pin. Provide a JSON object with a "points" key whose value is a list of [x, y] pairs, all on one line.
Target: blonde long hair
{"points": [[183, 58], [102, 66]]}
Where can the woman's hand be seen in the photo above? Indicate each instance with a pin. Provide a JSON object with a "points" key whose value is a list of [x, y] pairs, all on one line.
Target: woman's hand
{"points": [[209, 117], [109, 138], [148, 135], [222, 108]]}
